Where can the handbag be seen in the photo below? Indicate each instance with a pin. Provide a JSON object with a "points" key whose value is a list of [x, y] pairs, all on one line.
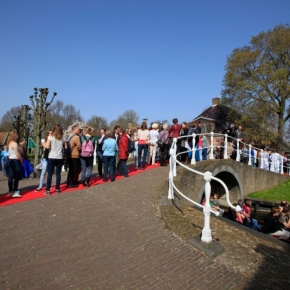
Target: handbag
{"points": [[160, 143]]}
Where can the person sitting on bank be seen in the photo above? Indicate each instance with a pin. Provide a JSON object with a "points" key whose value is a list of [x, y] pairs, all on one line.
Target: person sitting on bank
{"points": [[272, 226]]}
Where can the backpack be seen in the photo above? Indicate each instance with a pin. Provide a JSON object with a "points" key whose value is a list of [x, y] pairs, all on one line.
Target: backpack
{"points": [[87, 147], [131, 146]]}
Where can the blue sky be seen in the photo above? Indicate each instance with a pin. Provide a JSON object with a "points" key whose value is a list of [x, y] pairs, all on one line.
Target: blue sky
{"points": [[163, 59]]}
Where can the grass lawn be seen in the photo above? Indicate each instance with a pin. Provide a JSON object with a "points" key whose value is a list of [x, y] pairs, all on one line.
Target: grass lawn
{"points": [[278, 193]]}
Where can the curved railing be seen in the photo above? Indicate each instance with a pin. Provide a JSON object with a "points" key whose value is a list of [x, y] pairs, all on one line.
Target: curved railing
{"points": [[206, 232]]}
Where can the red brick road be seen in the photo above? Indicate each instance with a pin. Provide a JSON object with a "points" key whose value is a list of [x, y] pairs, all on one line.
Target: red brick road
{"points": [[104, 237]]}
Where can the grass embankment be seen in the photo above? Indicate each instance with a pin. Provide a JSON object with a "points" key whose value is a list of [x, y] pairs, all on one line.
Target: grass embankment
{"points": [[278, 193]]}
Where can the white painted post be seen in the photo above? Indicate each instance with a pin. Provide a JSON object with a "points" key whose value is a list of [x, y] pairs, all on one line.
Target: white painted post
{"points": [[226, 147], [206, 232], [95, 156], [193, 161], [211, 146], [250, 155], [238, 150], [281, 165], [262, 159], [170, 187], [174, 153]]}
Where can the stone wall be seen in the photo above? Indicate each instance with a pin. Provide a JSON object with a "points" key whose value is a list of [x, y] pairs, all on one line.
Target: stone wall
{"points": [[241, 179]]}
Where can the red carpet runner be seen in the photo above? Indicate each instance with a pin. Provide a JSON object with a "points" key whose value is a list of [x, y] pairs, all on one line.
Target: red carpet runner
{"points": [[31, 194]]}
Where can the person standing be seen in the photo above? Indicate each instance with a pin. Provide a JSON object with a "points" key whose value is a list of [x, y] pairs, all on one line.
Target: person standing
{"points": [[109, 156], [174, 132], [153, 137], [238, 135], [4, 156], [124, 153], [87, 155], [55, 158], [74, 158], [163, 137], [117, 137], [100, 142], [14, 163], [43, 162], [142, 137]]}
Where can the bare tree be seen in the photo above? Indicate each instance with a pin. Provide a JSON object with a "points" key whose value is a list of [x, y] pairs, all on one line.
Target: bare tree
{"points": [[129, 116], [97, 123], [8, 118], [63, 114]]}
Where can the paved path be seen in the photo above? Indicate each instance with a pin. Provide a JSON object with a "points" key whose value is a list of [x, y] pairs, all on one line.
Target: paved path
{"points": [[103, 237]]}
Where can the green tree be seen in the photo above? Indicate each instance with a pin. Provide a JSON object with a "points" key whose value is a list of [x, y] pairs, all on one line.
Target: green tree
{"points": [[257, 80]]}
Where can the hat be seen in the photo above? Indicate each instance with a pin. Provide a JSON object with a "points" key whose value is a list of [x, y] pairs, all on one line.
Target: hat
{"points": [[154, 125], [238, 208], [165, 126]]}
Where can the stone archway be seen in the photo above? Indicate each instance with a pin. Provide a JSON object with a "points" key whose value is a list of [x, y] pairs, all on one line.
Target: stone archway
{"points": [[231, 179]]}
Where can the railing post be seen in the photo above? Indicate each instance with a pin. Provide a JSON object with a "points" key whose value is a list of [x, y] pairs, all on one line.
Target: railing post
{"points": [[174, 153], [262, 159], [238, 150], [193, 161], [226, 147], [250, 155], [211, 146], [95, 156], [170, 187], [206, 232], [281, 165]]}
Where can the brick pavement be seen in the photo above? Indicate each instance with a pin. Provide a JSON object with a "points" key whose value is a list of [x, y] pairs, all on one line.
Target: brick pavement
{"points": [[104, 237]]}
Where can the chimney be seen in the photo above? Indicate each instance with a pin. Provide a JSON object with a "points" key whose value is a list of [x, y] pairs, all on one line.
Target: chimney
{"points": [[215, 101]]}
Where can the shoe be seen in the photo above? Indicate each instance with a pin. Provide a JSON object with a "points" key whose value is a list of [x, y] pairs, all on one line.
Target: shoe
{"points": [[143, 168], [47, 193], [57, 191], [126, 175], [113, 180], [11, 192], [84, 183], [17, 194], [37, 189], [105, 180], [138, 169], [88, 182]]}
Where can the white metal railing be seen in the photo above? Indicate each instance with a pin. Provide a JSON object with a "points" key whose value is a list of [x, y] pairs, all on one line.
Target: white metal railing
{"points": [[206, 232]]}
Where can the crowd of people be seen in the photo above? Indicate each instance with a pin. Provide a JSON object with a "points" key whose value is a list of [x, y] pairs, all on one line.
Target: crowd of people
{"points": [[276, 223]]}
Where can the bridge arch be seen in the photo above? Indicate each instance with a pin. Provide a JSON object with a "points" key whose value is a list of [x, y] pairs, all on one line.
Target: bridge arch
{"points": [[231, 179]]}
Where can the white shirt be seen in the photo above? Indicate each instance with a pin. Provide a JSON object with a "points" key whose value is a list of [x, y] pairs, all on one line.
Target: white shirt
{"points": [[55, 150]]}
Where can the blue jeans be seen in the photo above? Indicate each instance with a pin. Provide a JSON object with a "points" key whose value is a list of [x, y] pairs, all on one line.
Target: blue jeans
{"points": [[3, 167], [123, 170], [14, 174], [43, 171], [109, 165], [87, 162], [51, 163], [100, 163], [204, 154], [142, 147]]}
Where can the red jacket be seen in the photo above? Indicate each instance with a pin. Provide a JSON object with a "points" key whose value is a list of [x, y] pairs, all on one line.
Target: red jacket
{"points": [[123, 147], [174, 131]]}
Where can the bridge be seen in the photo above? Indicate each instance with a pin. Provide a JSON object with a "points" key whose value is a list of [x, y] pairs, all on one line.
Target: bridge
{"points": [[195, 183]]}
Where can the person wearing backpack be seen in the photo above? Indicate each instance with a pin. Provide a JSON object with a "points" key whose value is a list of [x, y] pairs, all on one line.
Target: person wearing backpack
{"points": [[87, 156], [74, 148], [124, 152]]}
